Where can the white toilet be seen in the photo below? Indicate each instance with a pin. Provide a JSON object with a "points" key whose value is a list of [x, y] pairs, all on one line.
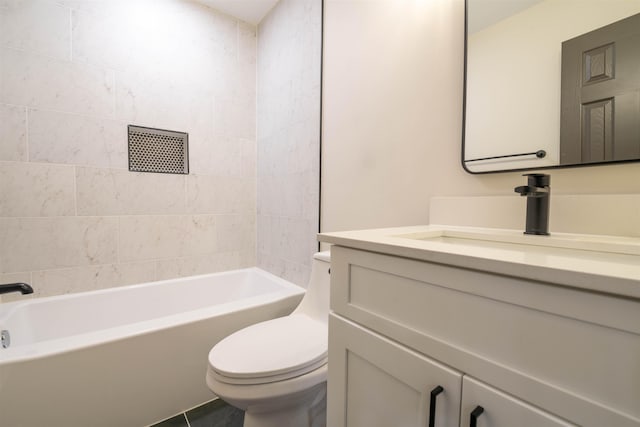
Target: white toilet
{"points": [[276, 371]]}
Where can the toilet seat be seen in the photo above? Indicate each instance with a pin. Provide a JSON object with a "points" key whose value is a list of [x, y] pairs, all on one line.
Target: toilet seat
{"points": [[275, 350]]}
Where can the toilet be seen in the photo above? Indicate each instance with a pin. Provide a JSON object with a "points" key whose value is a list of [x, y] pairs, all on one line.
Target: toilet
{"points": [[276, 371]]}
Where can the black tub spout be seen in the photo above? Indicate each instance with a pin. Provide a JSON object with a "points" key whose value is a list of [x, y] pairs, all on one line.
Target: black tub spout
{"points": [[23, 288]]}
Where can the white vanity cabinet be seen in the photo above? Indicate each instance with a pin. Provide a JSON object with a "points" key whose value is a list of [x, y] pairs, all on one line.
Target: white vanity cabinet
{"points": [[529, 352], [377, 382]]}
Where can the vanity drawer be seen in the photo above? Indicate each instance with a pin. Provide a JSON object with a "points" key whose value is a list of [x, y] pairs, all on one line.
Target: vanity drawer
{"points": [[500, 409], [573, 352]]}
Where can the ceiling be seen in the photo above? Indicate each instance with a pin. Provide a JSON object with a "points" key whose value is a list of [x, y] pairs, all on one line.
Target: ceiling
{"points": [[484, 13], [251, 11]]}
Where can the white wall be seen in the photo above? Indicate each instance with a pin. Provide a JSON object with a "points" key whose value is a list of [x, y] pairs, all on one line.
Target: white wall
{"points": [[389, 73], [73, 74], [392, 118], [513, 102], [289, 41]]}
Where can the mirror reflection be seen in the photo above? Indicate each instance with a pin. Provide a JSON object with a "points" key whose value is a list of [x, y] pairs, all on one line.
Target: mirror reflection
{"points": [[551, 83]]}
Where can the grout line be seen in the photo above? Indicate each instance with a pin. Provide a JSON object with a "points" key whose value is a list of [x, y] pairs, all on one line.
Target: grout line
{"points": [[186, 194], [237, 41], [26, 133], [186, 419], [75, 189], [118, 228], [70, 35]]}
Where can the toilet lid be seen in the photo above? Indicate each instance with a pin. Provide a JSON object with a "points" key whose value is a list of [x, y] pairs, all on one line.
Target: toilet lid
{"points": [[270, 351]]}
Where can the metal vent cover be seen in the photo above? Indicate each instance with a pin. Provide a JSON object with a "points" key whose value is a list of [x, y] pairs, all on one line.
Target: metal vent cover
{"points": [[158, 150]]}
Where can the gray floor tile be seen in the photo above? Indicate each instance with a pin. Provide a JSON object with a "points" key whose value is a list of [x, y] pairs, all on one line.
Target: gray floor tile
{"points": [[177, 421], [216, 413]]}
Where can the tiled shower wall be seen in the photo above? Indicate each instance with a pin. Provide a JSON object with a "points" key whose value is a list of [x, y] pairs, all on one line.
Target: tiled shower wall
{"points": [[73, 74], [289, 52]]}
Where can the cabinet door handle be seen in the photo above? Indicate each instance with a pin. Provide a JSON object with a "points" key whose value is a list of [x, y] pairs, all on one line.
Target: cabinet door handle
{"points": [[432, 405], [475, 414]]}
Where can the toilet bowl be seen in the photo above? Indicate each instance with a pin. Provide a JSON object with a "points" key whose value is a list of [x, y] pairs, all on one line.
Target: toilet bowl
{"points": [[276, 371]]}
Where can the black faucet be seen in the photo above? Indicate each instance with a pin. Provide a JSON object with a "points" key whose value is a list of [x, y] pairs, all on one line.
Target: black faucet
{"points": [[538, 194], [16, 287]]}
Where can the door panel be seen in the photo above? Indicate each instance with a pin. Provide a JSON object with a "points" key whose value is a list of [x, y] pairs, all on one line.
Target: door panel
{"points": [[600, 112]]}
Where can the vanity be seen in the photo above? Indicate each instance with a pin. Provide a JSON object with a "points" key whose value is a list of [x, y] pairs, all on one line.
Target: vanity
{"points": [[459, 326]]}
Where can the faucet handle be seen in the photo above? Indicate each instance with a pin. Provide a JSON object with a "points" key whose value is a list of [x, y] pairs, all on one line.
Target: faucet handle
{"points": [[532, 191], [538, 179]]}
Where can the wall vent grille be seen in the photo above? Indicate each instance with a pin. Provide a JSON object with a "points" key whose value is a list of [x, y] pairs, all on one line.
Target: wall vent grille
{"points": [[158, 150]]}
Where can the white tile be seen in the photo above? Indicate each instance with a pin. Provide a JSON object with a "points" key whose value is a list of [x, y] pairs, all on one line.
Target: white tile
{"points": [[249, 158], [295, 273], [224, 36], [205, 264], [235, 116], [247, 44], [283, 195], [95, 7], [106, 38], [149, 98], [42, 82], [248, 258], [13, 133], [271, 263], [293, 239], [263, 233], [28, 244], [129, 36], [235, 232], [36, 26], [36, 189], [288, 138], [91, 278], [154, 237], [220, 194], [222, 156], [120, 192], [81, 140]]}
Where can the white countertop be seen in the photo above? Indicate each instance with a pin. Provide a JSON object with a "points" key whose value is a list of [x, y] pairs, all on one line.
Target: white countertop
{"points": [[607, 264]]}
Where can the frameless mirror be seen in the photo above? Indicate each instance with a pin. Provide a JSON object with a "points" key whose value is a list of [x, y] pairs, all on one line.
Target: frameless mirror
{"points": [[551, 83]]}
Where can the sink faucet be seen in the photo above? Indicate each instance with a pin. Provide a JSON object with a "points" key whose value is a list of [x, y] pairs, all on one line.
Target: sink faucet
{"points": [[16, 287], [538, 194]]}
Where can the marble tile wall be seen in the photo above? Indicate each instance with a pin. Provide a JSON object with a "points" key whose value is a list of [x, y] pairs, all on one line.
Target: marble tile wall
{"points": [[73, 75], [288, 140]]}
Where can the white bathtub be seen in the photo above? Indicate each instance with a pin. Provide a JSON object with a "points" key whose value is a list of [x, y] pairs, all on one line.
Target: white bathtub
{"points": [[127, 356]]}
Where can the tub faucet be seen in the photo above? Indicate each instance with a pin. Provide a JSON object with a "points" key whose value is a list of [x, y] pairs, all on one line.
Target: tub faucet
{"points": [[538, 194], [16, 287]]}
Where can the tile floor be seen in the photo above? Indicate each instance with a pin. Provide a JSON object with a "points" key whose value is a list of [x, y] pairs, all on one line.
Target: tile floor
{"points": [[216, 413]]}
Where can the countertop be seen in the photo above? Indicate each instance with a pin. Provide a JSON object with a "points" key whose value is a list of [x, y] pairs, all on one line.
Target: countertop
{"points": [[607, 264]]}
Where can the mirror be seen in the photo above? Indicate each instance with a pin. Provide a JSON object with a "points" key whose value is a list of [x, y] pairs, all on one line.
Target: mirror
{"points": [[551, 83]]}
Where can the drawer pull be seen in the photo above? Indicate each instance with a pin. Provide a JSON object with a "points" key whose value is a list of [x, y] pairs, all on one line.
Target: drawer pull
{"points": [[475, 414], [432, 405]]}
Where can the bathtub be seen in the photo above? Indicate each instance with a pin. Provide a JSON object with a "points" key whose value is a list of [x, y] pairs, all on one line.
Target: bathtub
{"points": [[127, 356]]}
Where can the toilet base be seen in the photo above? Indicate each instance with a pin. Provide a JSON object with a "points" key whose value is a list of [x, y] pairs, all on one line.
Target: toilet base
{"points": [[307, 410]]}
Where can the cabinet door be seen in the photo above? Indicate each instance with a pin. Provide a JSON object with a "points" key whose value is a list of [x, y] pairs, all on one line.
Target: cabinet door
{"points": [[500, 409], [376, 382]]}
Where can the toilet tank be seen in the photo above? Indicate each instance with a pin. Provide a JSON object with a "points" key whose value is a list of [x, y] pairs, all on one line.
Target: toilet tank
{"points": [[315, 303]]}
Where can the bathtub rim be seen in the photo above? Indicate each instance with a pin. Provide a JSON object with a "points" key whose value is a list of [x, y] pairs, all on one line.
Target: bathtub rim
{"points": [[62, 345]]}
